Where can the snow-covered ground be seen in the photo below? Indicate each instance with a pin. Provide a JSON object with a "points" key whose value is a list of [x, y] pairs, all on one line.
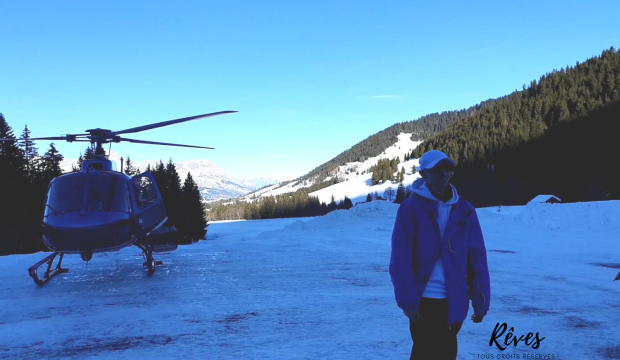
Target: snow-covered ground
{"points": [[318, 288]]}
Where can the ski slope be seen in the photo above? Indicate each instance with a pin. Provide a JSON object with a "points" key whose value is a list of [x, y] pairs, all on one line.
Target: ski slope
{"points": [[318, 288], [355, 185]]}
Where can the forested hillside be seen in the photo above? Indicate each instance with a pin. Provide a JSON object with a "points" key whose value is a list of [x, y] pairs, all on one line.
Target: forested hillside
{"points": [[541, 117], [375, 144], [573, 160]]}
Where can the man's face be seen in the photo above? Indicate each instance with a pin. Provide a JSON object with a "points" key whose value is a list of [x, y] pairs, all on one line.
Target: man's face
{"points": [[439, 176]]}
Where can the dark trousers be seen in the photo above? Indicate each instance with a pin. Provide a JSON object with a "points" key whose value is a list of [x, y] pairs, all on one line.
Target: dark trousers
{"points": [[433, 338]]}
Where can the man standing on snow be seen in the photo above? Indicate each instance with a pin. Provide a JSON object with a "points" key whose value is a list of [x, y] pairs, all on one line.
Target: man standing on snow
{"points": [[438, 261]]}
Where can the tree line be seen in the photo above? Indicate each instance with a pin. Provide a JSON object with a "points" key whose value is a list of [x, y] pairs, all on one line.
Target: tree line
{"points": [[301, 204], [292, 204], [26, 174]]}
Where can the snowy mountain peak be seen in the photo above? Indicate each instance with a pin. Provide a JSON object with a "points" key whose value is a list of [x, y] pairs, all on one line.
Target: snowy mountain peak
{"points": [[212, 182]]}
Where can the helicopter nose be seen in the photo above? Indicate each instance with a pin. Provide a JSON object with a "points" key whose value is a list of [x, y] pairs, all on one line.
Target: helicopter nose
{"points": [[71, 233]]}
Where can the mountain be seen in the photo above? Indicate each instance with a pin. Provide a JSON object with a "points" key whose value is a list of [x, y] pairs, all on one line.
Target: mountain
{"points": [[212, 182], [355, 177], [374, 145], [558, 136]]}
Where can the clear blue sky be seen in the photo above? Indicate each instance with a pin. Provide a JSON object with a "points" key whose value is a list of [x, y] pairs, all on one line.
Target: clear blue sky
{"points": [[309, 78]]}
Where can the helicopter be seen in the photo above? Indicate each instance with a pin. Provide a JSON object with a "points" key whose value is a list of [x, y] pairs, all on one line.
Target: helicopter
{"points": [[99, 209]]}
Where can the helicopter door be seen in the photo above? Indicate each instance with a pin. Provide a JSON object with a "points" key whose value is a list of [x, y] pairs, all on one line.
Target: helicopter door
{"points": [[147, 203]]}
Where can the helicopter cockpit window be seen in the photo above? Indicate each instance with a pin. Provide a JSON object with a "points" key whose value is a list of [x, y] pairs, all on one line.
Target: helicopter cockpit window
{"points": [[146, 195], [66, 195], [107, 194]]}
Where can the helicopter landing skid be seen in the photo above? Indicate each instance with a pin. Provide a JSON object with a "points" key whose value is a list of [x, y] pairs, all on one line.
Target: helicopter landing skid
{"points": [[49, 273], [149, 261]]}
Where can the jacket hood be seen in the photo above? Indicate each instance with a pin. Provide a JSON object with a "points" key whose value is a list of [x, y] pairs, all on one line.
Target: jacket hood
{"points": [[419, 187]]}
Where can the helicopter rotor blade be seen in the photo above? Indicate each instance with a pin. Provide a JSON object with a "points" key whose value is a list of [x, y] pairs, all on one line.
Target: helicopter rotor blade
{"points": [[162, 143], [39, 138], [169, 122]]}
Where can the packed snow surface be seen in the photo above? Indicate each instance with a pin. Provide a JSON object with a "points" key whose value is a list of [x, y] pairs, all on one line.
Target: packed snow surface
{"points": [[318, 288]]}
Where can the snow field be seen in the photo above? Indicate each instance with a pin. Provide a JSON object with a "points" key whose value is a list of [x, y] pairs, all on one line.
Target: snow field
{"points": [[317, 288]]}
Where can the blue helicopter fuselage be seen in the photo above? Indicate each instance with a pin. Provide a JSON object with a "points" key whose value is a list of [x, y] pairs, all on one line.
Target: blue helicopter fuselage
{"points": [[89, 211]]}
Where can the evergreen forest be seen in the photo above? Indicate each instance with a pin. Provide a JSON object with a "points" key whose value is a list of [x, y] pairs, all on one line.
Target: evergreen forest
{"points": [[557, 136]]}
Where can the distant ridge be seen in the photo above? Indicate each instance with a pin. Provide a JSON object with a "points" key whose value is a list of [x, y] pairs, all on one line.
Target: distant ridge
{"points": [[212, 182]]}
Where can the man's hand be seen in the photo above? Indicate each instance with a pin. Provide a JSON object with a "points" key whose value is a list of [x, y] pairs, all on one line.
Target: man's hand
{"points": [[477, 318], [413, 315]]}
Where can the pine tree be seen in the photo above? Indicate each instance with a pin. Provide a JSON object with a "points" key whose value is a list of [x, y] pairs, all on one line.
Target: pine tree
{"points": [[89, 153], [29, 151], [78, 166], [332, 204], [369, 198], [12, 181], [193, 222], [400, 194], [50, 163], [414, 170], [347, 203], [130, 170], [388, 194], [172, 193], [11, 157], [159, 174]]}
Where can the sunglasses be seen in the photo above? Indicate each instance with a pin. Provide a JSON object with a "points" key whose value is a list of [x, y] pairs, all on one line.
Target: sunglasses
{"points": [[442, 168]]}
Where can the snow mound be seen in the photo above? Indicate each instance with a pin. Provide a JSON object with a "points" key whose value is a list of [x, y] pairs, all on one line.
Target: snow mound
{"points": [[358, 216], [590, 216]]}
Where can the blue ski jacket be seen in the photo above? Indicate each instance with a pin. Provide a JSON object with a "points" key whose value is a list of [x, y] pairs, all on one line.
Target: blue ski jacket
{"points": [[417, 245]]}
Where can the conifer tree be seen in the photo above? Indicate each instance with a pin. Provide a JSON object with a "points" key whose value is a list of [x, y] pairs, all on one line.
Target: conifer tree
{"points": [[78, 166], [400, 194], [130, 170], [50, 163], [12, 179], [159, 173], [29, 151], [193, 222], [347, 203], [89, 153], [388, 193], [332, 204], [172, 193], [369, 198]]}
